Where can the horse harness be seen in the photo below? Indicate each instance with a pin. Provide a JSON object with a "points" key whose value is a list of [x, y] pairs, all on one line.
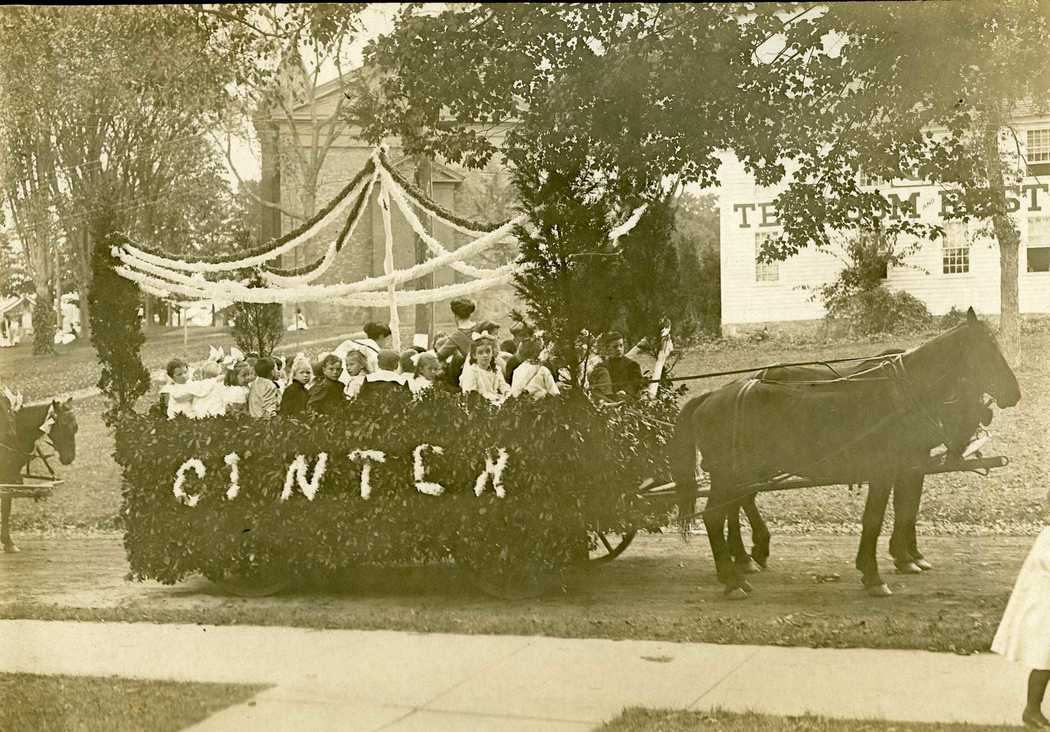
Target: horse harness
{"points": [[914, 405]]}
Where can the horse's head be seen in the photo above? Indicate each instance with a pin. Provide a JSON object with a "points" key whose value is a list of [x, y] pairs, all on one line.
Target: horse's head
{"points": [[986, 366], [63, 430]]}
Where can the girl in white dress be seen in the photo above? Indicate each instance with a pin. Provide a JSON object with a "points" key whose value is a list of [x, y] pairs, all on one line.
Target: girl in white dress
{"points": [[480, 373], [1024, 631], [532, 377]]}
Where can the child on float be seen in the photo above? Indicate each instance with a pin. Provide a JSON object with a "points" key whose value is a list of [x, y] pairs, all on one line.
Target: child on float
{"points": [[263, 394], [1024, 631], [326, 394], [532, 377], [427, 373], [295, 395], [385, 380], [239, 380], [480, 373], [177, 394], [357, 368], [209, 391]]}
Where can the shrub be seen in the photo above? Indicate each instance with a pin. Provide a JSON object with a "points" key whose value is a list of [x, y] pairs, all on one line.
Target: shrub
{"points": [[882, 311], [116, 330], [257, 327], [572, 465]]}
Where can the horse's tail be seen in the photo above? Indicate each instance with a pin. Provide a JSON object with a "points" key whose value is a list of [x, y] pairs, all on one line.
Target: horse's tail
{"points": [[682, 451]]}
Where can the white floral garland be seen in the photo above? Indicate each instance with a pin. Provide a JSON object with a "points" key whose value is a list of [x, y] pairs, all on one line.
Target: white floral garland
{"points": [[180, 478], [437, 216], [228, 290], [235, 475], [366, 458], [329, 257], [419, 470], [436, 248], [318, 227], [296, 473], [494, 470], [306, 293]]}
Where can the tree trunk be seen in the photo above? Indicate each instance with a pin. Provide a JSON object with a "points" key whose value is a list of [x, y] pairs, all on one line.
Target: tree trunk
{"points": [[83, 239], [424, 312], [43, 322], [1009, 252]]}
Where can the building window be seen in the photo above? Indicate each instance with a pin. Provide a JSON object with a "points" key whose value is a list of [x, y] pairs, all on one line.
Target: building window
{"points": [[1038, 152], [765, 271], [1038, 249], [955, 254], [868, 181]]}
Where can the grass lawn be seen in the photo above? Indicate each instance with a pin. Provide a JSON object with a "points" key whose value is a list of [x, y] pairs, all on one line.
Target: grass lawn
{"points": [[75, 366], [34, 703], [1010, 501], [654, 720]]}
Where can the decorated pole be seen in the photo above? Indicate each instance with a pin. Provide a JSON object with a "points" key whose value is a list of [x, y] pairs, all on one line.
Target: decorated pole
{"points": [[424, 327]]}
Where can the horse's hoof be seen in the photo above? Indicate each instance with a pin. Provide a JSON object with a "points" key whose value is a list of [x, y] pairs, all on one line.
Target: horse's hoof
{"points": [[923, 565], [746, 586], [881, 590], [737, 593], [749, 567], [10, 548], [908, 568]]}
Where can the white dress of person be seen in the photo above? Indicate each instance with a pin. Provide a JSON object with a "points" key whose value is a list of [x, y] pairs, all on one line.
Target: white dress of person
{"points": [[534, 379], [367, 346], [418, 384], [490, 384], [1024, 632], [353, 383]]}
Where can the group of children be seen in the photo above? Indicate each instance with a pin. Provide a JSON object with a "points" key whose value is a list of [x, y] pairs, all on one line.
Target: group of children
{"points": [[470, 359]]}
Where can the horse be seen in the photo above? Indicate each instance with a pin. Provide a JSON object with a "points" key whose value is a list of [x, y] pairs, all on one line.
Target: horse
{"points": [[20, 430], [875, 423]]}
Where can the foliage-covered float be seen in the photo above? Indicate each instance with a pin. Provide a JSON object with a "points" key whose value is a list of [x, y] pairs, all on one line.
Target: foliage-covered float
{"points": [[511, 494]]}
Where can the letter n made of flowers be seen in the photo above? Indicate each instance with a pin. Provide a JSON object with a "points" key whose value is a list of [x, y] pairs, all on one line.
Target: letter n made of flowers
{"points": [[297, 475]]}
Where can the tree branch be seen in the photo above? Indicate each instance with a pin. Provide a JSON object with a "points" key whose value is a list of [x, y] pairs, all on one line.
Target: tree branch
{"points": [[247, 189]]}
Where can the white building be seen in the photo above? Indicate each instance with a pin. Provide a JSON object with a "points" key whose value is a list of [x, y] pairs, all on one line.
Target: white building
{"points": [[960, 269]]}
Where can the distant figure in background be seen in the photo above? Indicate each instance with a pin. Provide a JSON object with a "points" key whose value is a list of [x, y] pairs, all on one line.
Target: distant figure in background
{"points": [[624, 373], [262, 392], [300, 321]]}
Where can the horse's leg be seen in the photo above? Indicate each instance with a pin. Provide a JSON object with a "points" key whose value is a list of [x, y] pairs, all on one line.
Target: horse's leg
{"points": [[907, 493], [5, 526], [715, 516], [759, 532], [874, 513], [744, 563]]}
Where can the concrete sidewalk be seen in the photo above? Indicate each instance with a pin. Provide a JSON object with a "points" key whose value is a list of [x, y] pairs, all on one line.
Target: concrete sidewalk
{"points": [[372, 680]]}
